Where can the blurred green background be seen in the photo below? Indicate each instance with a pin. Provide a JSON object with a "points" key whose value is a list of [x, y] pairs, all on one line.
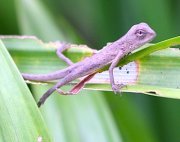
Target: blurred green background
{"points": [[136, 117]]}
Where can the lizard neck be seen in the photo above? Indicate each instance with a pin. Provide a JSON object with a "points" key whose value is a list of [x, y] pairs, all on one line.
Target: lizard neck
{"points": [[126, 45]]}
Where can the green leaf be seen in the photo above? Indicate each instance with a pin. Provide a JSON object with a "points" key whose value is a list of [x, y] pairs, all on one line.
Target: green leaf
{"points": [[20, 118]]}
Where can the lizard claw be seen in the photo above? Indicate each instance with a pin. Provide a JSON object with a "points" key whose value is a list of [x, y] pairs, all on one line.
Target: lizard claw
{"points": [[116, 88]]}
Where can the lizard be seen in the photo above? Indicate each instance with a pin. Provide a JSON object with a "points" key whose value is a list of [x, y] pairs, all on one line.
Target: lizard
{"points": [[110, 54]]}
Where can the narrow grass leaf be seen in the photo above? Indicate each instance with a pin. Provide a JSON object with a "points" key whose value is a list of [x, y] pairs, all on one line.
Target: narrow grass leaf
{"points": [[20, 119]]}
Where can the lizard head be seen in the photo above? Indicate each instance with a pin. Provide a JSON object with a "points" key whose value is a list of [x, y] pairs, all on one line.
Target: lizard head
{"points": [[139, 34]]}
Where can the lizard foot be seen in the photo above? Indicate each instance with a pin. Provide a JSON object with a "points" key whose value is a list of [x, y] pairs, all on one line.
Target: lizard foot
{"points": [[116, 88], [63, 93]]}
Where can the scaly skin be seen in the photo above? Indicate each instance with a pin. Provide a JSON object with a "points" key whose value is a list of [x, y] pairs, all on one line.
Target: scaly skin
{"points": [[137, 36]]}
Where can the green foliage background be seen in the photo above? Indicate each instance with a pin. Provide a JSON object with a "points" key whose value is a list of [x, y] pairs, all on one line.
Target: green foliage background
{"points": [[130, 118]]}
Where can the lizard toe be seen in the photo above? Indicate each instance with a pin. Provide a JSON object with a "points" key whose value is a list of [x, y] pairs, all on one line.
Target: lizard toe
{"points": [[117, 88], [64, 93]]}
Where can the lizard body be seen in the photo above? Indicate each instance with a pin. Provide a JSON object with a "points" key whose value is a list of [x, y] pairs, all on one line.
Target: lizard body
{"points": [[137, 36], [84, 67]]}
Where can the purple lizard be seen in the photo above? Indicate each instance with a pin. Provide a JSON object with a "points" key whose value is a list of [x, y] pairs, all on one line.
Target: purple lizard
{"points": [[137, 36]]}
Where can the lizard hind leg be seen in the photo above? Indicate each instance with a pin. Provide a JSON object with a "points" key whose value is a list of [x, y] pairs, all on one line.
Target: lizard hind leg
{"points": [[61, 47], [78, 87]]}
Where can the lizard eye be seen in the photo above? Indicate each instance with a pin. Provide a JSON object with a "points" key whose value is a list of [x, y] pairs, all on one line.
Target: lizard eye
{"points": [[140, 33]]}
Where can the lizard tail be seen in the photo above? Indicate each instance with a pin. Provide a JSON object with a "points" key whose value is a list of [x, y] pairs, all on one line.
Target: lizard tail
{"points": [[45, 96], [46, 77]]}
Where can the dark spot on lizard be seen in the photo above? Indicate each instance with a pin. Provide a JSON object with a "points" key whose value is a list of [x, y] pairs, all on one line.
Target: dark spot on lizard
{"points": [[127, 72], [128, 53], [120, 68], [112, 55]]}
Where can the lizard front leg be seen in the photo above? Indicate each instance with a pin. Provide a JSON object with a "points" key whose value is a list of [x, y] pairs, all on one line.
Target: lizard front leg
{"points": [[115, 87], [60, 49]]}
